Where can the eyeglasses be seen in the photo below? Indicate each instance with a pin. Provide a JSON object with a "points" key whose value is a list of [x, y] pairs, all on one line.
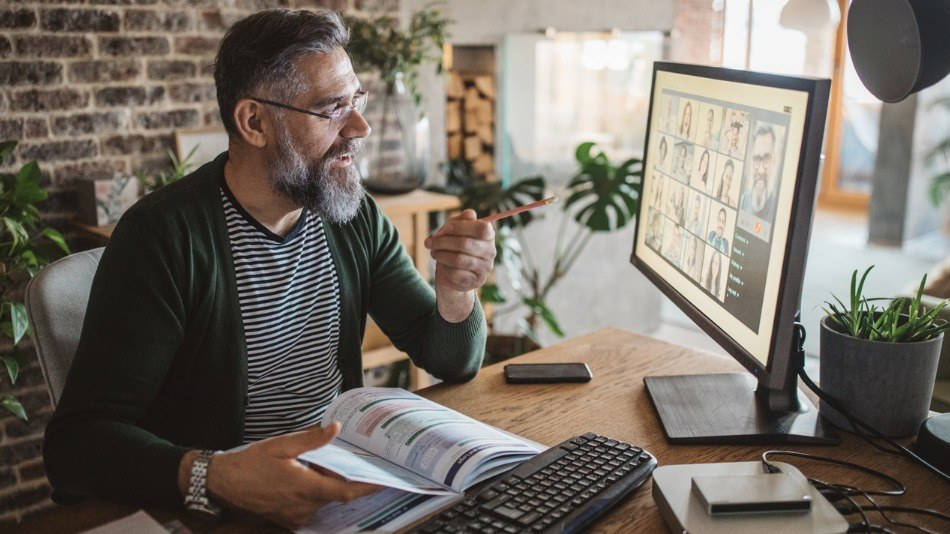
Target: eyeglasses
{"points": [[339, 113]]}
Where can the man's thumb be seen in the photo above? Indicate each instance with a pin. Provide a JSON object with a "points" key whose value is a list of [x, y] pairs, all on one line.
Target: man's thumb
{"points": [[297, 443]]}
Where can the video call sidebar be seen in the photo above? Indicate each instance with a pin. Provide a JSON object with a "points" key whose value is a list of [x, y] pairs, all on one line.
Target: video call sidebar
{"points": [[711, 205]]}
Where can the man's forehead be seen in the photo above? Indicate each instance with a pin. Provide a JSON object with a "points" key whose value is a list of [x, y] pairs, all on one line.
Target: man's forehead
{"points": [[328, 74]]}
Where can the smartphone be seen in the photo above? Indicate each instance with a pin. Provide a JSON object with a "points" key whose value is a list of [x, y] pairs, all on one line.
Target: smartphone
{"points": [[543, 373], [752, 494]]}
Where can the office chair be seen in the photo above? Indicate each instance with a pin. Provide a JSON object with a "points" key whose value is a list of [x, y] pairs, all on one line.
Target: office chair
{"points": [[56, 300]]}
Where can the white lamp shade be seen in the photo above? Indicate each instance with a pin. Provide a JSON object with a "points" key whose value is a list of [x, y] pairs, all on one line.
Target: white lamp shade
{"points": [[809, 16]]}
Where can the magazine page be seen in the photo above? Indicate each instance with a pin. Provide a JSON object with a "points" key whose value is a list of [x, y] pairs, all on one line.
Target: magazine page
{"points": [[355, 464], [425, 437], [386, 511]]}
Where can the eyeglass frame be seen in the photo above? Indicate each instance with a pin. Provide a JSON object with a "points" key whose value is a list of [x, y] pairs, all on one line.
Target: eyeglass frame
{"points": [[353, 106]]}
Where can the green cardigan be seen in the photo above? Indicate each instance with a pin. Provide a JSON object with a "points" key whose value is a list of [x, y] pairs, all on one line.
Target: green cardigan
{"points": [[161, 366]]}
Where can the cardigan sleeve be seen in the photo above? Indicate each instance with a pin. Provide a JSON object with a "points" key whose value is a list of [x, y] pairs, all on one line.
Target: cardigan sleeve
{"points": [[133, 327], [404, 307]]}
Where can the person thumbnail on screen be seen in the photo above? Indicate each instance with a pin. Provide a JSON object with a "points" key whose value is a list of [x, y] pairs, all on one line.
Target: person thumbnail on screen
{"points": [[702, 175], [686, 120], [654, 238], [714, 273], [711, 124], [696, 221], [693, 260], [758, 197], [662, 156], [728, 178], [721, 226], [682, 161], [673, 236], [735, 130]]}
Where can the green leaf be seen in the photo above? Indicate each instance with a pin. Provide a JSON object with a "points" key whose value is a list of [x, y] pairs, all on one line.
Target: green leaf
{"points": [[939, 186], [56, 237], [21, 323], [492, 294], [13, 367], [13, 406], [6, 152]]}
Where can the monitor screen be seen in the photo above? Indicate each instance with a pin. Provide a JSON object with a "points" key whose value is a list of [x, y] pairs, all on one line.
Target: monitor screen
{"points": [[720, 179]]}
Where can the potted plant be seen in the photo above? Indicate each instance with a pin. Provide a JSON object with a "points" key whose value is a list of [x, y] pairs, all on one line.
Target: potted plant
{"points": [[395, 157], [880, 362], [601, 197], [25, 245]]}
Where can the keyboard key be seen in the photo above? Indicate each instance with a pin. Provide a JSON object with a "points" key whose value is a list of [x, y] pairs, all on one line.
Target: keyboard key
{"points": [[509, 513], [527, 519], [487, 495]]}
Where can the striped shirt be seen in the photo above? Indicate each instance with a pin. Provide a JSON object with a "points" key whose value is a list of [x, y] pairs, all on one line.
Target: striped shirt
{"points": [[289, 297]]}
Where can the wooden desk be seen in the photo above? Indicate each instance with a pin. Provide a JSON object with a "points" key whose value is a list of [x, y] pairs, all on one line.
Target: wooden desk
{"points": [[614, 403], [410, 215]]}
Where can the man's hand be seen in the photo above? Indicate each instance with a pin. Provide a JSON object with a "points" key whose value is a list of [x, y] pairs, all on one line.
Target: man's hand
{"points": [[266, 479], [464, 251]]}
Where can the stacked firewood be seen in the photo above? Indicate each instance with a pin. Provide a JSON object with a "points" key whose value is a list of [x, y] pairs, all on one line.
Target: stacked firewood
{"points": [[469, 121]]}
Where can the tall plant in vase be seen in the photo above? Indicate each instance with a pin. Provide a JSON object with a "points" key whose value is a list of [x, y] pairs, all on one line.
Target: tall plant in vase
{"points": [[25, 246], [395, 157]]}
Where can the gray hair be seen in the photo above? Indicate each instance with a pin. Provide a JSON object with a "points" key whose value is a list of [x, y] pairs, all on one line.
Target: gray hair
{"points": [[259, 52]]}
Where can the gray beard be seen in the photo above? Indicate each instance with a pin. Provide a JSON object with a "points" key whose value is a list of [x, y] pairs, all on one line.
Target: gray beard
{"points": [[334, 194]]}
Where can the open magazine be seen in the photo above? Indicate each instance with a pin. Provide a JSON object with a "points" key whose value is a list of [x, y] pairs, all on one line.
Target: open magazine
{"points": [[426, 453]]}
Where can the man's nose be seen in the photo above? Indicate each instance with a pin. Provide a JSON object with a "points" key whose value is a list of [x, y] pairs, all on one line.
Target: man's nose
{"points": [[356, 126]]}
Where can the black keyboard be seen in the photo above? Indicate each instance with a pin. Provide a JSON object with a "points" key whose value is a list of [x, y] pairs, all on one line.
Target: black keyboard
{"points": [[563, 489]]}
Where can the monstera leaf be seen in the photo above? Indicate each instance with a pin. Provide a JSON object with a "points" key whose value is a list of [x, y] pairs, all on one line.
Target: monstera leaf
{"points": [[605, 197], [490, 197]]}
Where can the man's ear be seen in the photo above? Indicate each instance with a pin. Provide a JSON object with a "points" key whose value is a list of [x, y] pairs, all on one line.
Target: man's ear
{"points": [[253, 124]]}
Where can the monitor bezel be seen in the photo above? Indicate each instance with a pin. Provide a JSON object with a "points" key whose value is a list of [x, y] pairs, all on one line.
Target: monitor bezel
{"points": [[775, 373]]}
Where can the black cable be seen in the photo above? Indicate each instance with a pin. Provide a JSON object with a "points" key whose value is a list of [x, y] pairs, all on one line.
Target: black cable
{"points": [[857, 423]]}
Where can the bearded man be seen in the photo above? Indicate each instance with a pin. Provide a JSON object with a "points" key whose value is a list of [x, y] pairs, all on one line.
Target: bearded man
{"points": [[229, 307]]}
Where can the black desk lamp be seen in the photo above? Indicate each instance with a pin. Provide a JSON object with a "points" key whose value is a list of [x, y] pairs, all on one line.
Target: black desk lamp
{"points": [[900, 47]]}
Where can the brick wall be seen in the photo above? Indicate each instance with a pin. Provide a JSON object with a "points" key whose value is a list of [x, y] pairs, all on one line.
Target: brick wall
{"points": [[91, 87], [697, 32]]}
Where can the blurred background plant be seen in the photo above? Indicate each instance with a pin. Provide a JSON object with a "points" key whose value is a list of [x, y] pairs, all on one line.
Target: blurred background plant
{"points": [[940, 183], [26, 246], [162, 178], [600, 197]]}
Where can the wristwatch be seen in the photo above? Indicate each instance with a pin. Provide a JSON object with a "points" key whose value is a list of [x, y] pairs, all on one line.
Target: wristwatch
{"points": [[197, 499]]}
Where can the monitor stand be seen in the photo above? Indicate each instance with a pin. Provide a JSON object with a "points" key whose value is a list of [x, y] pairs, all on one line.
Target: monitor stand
{"points": [[727, 408]]}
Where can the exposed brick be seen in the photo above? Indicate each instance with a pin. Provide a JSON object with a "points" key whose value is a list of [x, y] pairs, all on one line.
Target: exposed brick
{"points": [[187, 93], [58, 150], [79, 20], [377, 5], [30, 73], [123, 2], [34, 401], [133, 46], [213, 118], [7, 477], [11, 129], [168, 70], [122, 145], [5, 47], [178, 118], [256, 5], [17, 18], [34, 426], [31, 471], [88, 123], [53, 46], [25, 497], [108, 70], [30, 375], [88, 170], [15, 453], [147, 20], [207, 68], [129, 96], [196, 46], [9, 523], [48, 99], [36, 128]]}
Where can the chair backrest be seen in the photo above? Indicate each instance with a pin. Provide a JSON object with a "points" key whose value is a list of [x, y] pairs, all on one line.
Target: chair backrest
{"points": [[56, 301]]}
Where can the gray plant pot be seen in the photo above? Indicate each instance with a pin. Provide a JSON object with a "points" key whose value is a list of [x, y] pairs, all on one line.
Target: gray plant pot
{"points": [[887, 385]]}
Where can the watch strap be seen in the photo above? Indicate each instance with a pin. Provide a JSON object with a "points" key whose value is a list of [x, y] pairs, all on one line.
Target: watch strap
{"points": [[197, 499]]}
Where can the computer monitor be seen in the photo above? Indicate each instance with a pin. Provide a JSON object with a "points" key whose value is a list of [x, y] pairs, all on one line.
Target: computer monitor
{"points": [[729, 178]]}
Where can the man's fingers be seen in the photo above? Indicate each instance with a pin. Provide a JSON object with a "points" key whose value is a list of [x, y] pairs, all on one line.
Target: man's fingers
{"points": [[297, 443], [463, 261], [466, 224], [466, 245]]}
